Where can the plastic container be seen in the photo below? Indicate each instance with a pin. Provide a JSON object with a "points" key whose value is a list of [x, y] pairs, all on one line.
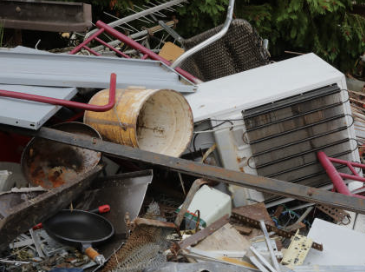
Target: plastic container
{"points": [[212, 204], [159, 121]]}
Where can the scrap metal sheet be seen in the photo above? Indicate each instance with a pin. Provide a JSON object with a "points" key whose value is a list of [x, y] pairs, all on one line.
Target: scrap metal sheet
{"points": [[28, 114], [63, 70]]}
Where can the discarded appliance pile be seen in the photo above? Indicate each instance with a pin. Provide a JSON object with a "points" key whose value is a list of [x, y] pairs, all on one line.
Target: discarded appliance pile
{"points": [[124, 164]]}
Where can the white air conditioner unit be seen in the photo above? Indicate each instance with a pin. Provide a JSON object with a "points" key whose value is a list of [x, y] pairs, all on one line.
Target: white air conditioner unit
{"points": [[272, 120]]}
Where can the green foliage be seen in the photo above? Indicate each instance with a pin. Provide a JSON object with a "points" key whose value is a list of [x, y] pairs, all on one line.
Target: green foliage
{"points": [[200, 15], [325, 27], [328, 28]]}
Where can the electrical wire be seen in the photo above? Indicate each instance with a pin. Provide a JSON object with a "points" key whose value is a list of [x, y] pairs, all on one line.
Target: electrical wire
{"points": [[214, 130], [218, 120], [292, 215], [211, 128]]}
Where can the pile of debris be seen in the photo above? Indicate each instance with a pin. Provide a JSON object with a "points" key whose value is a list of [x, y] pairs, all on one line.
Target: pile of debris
{"points": [[112, 163]]}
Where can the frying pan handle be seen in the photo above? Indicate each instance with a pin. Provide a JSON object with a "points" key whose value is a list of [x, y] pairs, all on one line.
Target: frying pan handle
{"points": [[94, 255], [101, 209], [38, 226]]}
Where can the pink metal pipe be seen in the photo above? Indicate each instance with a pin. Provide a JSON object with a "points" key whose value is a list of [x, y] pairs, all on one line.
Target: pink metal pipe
{"points": [[112, 48], [352, 177], [145, 51], [356, 164], [332, 172], [66, 103], [81, 45], [353, 170], [91, 51]]}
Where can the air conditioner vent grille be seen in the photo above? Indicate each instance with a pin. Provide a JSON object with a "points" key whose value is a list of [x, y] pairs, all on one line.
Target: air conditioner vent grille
{"points": [[286, 135]]}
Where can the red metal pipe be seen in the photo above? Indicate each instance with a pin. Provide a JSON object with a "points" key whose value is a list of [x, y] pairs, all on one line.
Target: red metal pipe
{"points": [[349, 165], [112, 48], [353, 177], [332, 172], [356, 164], [81, 45], [66, 103], [91, 51], [128, 41]]}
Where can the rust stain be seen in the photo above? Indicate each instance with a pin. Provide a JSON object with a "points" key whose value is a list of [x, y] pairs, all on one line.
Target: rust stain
{"points": [[50, 165], [57, 176], [310, 191]]}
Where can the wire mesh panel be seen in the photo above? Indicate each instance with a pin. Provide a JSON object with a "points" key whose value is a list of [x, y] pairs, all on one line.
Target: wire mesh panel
{"points": [[239, 50]]}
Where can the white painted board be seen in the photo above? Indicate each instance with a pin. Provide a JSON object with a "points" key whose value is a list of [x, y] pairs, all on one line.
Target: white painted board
{"points": [[341, 246]]}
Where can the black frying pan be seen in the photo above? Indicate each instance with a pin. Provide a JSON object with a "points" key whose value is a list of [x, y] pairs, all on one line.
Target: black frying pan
{"points": [[80, 228]]}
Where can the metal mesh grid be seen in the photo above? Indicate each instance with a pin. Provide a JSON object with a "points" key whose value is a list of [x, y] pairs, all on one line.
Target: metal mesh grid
{"points": [[144, 248], [239, 50]]}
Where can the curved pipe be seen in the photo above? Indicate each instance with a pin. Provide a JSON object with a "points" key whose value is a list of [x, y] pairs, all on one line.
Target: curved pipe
{"points": [[66, 103], [209, 41]]}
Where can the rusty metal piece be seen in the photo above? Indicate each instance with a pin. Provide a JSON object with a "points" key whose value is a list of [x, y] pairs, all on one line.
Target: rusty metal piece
{"points": [[294, 227], [151, 222], [189, 198], [243, 230], [50, 165], [197, 237], [264, 184], [256, 224], [256, 211], [59, 16], [29, 213], [278, 211], [339, 215]]}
